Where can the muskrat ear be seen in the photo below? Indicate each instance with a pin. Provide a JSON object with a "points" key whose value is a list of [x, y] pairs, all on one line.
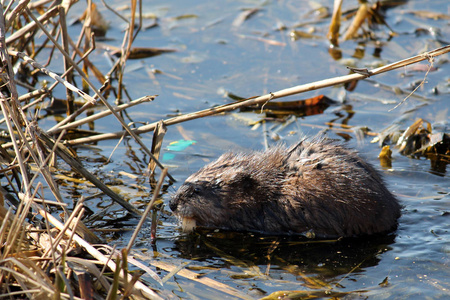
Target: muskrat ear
{"points": [[243, 180]]}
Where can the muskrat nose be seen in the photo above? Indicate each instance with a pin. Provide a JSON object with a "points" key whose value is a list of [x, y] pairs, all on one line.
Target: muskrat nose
{"points": [[173, 204]]}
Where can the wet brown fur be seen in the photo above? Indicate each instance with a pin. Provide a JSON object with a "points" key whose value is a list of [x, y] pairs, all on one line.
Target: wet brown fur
{"points": [[317, 187]]}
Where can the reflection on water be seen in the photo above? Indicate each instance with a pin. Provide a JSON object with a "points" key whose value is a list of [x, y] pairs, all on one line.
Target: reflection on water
{"points": [[275, 255]]}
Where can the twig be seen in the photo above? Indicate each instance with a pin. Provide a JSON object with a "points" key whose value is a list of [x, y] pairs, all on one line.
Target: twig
{"points": [[431, 61], [114, 11]]}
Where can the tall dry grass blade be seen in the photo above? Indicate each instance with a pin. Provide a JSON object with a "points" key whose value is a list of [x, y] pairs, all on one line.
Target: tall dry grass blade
{"points": [[147, 209], [67, 156], [54, 246], [68, 224], [112, 293], [10, 108], [5, 216], [65, 281], [7, 66], [17, 227], [139, 287], [44, 170], [128, 39], [69, 73], [124, 256], [74, 224], [83, 75], [203, 280], [32, 273], [20, 293]]}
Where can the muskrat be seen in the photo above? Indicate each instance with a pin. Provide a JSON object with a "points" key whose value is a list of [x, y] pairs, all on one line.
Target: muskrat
{"points": [[316, 188]]}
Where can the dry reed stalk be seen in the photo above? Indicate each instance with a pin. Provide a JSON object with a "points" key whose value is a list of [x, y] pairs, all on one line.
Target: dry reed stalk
{"points": [[127, 43], [335, 24], [25, 136], [42, 161], [78, 211], [26, 273], [64, 230], [15, 263], [67, 156], [268, 97], [147, 210], [31, 27], [84, 57], [67, 66], [47, 202], [139, 286], [86, 96], [53, 75], [58, 128], [203, 280]]}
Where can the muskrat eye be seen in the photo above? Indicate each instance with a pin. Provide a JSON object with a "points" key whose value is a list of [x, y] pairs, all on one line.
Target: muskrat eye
{"points": [[197, 190]]}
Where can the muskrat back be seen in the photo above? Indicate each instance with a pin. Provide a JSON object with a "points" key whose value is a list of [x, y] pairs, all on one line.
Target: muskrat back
{"points": [[316, 188]]}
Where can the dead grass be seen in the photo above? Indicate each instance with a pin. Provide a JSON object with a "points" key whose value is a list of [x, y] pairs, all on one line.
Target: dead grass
{"points": [[45, 256]]}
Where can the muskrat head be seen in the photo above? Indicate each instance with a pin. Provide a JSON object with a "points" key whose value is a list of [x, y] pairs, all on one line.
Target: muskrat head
{"points": [[210, 204], [191, 203], [223, 194]]}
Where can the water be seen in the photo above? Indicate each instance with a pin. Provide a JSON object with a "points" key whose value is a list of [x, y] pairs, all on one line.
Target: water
{"points": [[214, 57]]}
